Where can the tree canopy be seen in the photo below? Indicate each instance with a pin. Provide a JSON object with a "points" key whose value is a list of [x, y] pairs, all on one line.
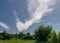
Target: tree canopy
{"points": [[42, 33]]}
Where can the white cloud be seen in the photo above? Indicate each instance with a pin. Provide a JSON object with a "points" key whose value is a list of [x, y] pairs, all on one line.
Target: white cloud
{"points": [[36, 9], [39, 21], [4, 25]]}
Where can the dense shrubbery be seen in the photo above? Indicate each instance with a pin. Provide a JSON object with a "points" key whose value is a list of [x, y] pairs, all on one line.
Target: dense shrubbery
{"points": [[43, 34]]}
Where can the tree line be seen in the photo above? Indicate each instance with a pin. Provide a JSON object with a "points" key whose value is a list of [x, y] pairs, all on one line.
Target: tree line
{"points": [[6, 36], [43, 34]]}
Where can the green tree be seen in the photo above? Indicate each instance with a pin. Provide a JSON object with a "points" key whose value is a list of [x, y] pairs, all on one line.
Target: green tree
{"points": [[33, 36], [42, 33], [5, 35], [58, 37], [28, 36], [53, 37], [1, 36], [20, 35]]}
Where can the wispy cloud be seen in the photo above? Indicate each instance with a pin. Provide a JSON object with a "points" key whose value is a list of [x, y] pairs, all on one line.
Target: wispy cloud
{"points": [[4, 25], [36, 9]]}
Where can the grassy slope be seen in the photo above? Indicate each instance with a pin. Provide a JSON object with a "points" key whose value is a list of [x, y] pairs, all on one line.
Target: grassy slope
{"points": [[16, 41]]}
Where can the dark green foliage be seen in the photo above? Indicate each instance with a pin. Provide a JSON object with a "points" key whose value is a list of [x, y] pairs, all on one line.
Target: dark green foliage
{"points": [[33, 37], [28, 36], [53, 37], [42, 33], [21, 35], [58, 37], [4, 35]]}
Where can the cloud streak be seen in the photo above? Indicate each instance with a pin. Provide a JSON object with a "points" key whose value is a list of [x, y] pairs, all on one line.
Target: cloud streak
{"points": [[36, 9], [4, 25]]}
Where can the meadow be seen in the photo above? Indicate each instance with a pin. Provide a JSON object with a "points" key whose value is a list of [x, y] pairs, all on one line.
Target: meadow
{"points": [[16, 41]]}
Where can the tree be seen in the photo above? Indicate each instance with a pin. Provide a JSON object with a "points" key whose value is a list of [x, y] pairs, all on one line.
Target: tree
{"points": [[42, 33], [28, 36], [4, 35], [33, 35], [53, 37], [58, 37], [1, 36], [20, 35]]}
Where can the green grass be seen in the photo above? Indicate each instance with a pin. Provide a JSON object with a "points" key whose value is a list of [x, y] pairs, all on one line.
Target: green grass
{"points": [[16, 41]]}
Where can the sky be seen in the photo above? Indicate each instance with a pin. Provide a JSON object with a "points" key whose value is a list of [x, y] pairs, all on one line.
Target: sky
{"points": [[26, 15]]}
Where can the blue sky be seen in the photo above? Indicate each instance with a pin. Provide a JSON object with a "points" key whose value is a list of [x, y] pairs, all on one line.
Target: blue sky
{"points": [[27, 15]]}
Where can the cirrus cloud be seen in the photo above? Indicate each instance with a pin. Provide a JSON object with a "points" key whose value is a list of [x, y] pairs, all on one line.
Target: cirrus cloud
{"points": [[4, 25], [36, 9]]}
